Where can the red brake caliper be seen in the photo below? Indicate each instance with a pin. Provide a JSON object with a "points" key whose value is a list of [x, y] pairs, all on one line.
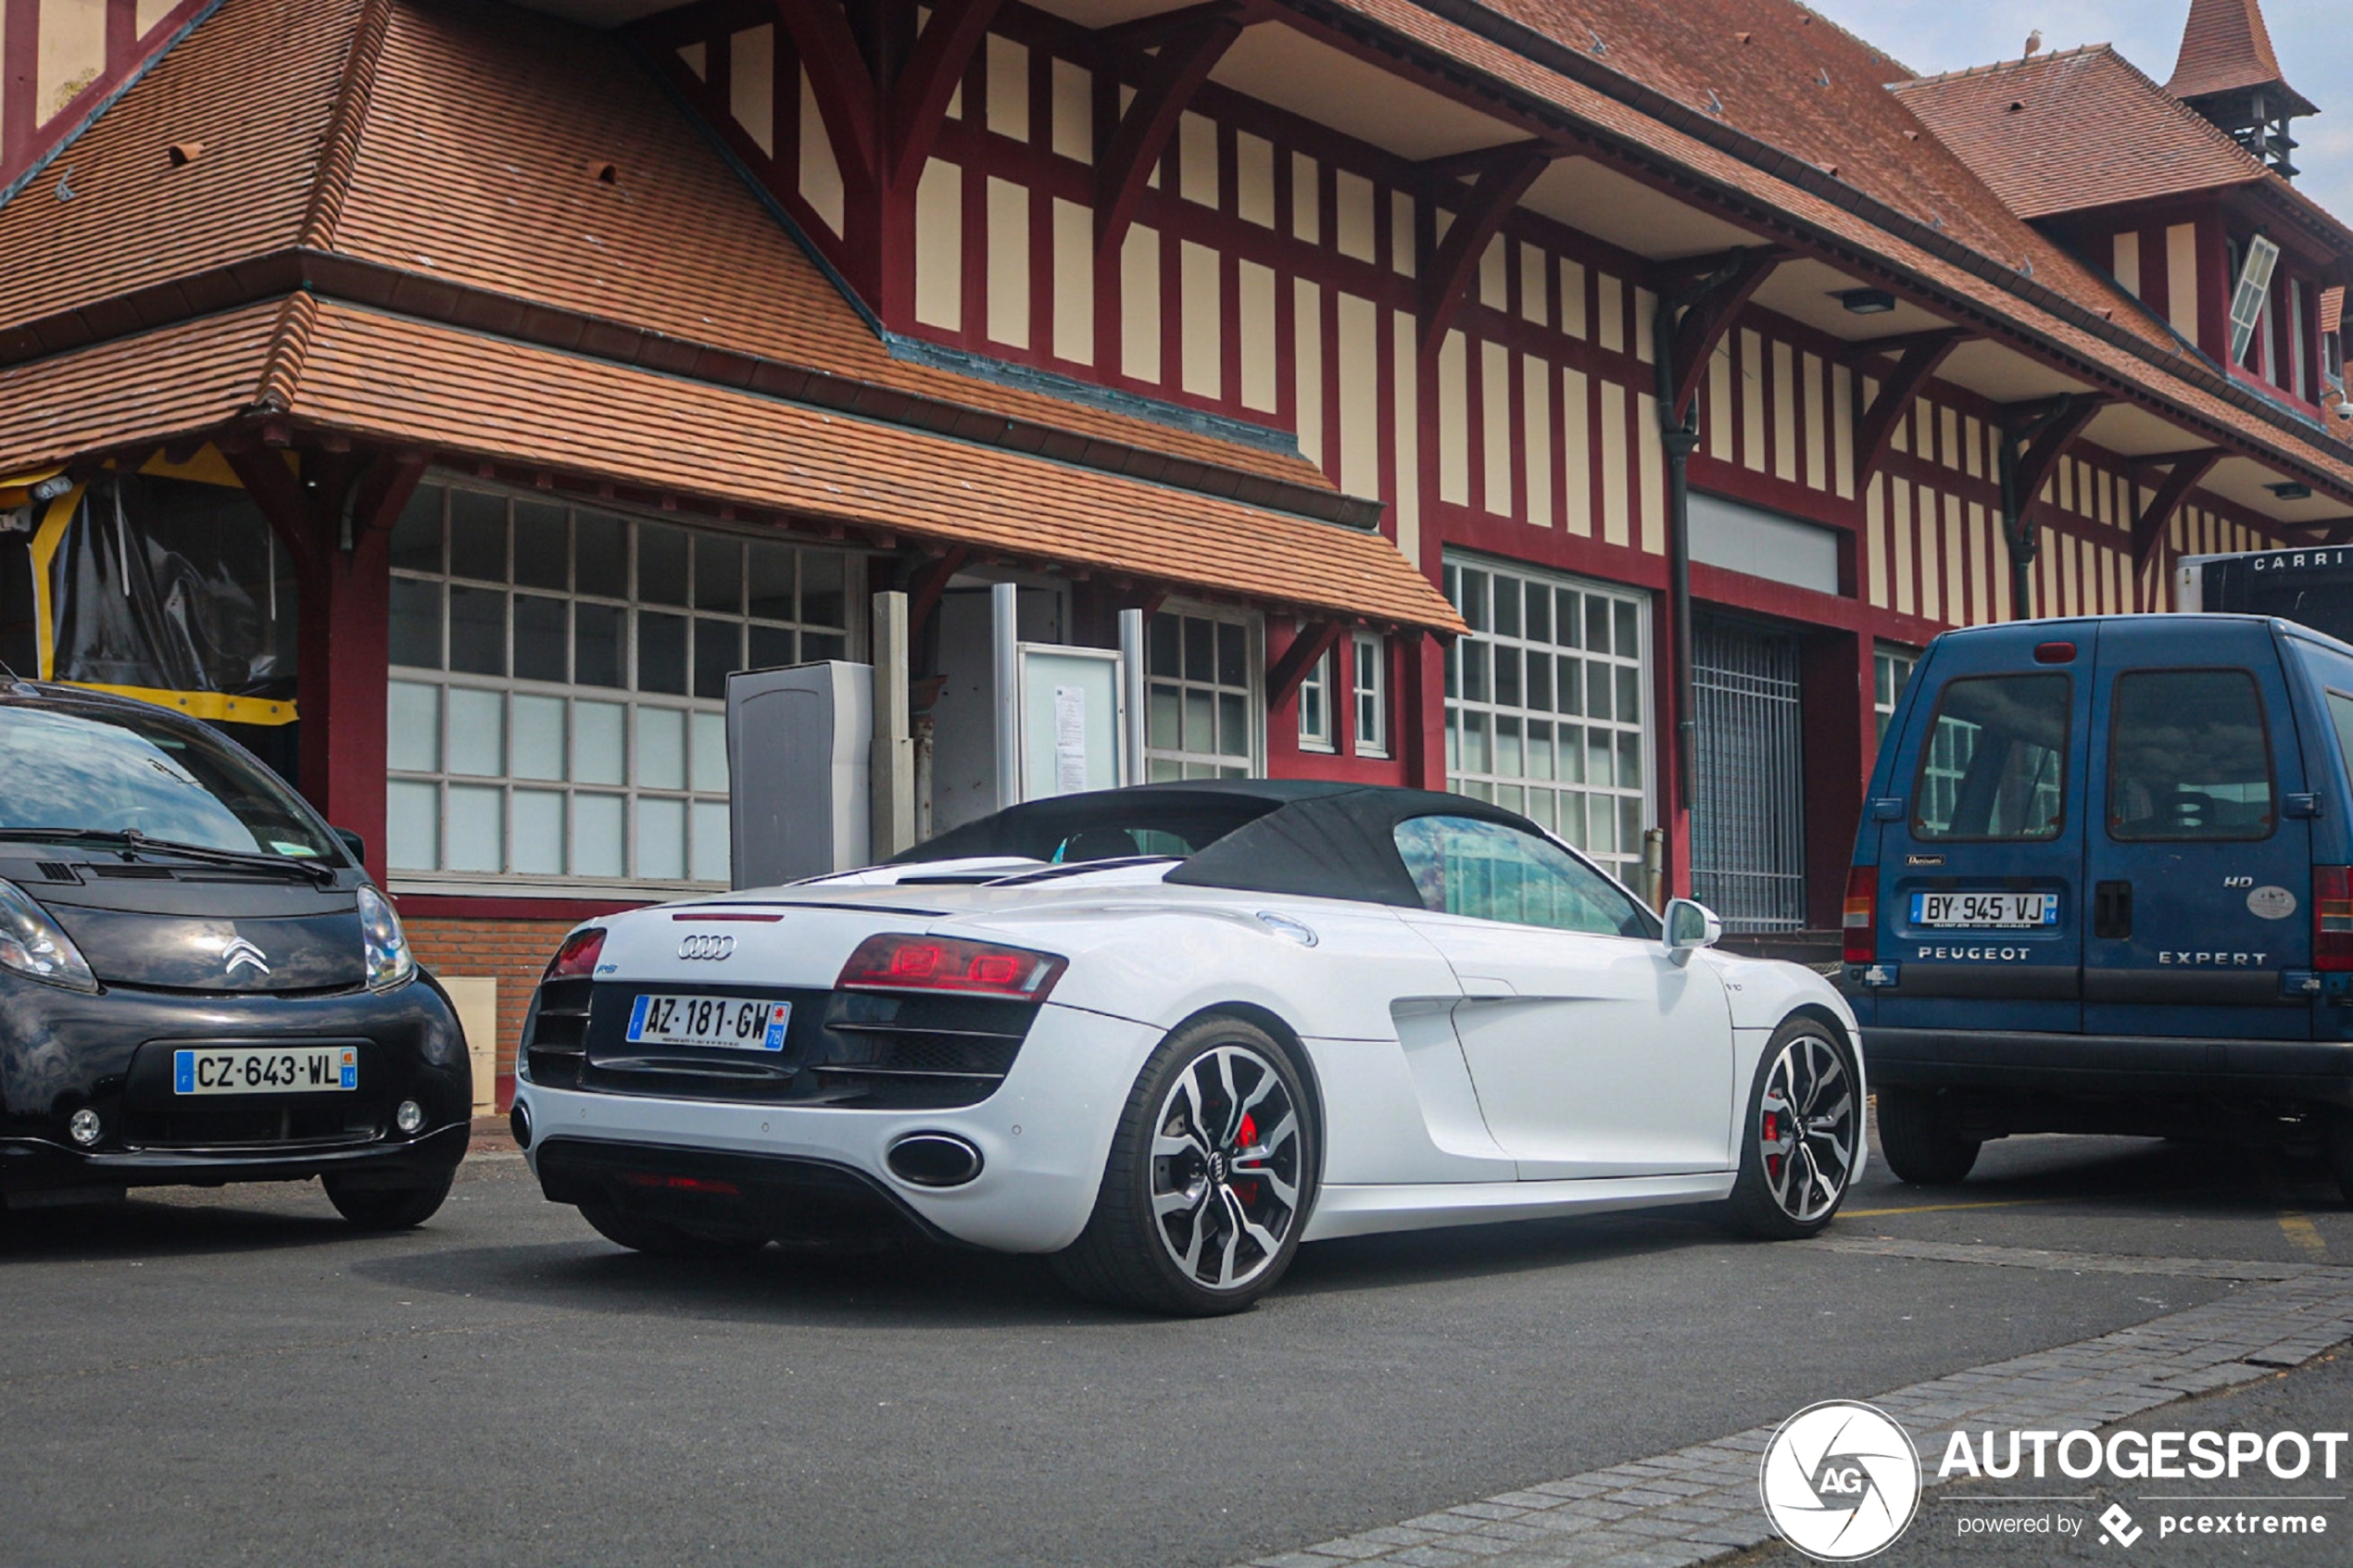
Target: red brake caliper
{"points": [[1772, 1131], [1246, 1136]]}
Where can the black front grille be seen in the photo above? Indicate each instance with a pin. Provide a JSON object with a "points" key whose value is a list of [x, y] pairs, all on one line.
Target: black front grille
{"points": [[868, 1050], [325, 1122]]}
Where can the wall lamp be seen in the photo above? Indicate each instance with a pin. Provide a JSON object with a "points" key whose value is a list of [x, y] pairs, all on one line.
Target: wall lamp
{"points": [[1866, 302]]}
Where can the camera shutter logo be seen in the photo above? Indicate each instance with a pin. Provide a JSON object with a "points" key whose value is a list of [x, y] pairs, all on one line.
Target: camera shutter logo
{"points": [[1840, 1480], [707, 947]]}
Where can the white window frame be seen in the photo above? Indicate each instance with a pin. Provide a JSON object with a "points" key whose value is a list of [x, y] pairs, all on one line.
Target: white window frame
{"points": [[1159, 758], [700, 794], [1887, 686], [1317, 728], [1368, 693], [1631, 809]]}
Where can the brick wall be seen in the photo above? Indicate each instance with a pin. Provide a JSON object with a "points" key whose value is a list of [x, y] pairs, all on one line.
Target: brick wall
{"points": [[513, 951]]}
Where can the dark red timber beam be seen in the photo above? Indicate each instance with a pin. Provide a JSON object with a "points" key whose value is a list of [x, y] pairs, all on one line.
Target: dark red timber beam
{"points": [[918, 100], [1313, 643], [843, 85], [1733, 280], [1918, 357], [1480, 212], [1132, 150], [2189, 470]]}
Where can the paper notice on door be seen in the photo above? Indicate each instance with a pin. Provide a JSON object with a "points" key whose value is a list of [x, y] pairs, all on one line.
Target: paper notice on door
{"points": [[1070, 739]]}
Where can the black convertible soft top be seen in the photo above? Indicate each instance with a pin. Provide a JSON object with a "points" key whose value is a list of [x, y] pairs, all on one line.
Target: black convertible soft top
{"points": [[1311, 837]]}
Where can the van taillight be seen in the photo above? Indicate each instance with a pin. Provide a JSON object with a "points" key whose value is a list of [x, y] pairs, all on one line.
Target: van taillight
{"points": [[1861, 918], [2332, 917]]}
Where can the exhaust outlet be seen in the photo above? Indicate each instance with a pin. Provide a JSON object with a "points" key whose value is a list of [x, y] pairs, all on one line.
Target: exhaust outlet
{"points": [[933, 1160]]}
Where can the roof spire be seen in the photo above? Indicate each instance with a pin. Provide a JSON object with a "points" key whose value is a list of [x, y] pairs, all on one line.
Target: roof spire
{"points": [[2228, 73]]}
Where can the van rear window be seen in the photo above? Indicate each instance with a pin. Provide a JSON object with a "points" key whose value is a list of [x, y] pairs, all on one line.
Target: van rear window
{"points": [[1995, 763], [2187, 758]]}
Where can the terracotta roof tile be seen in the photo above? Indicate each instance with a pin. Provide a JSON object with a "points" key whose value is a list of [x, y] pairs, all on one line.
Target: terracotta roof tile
{"points": [[135, 217], [161, 384], [2084, 129], [2332, 309], [396, 379], [2225, 47]]}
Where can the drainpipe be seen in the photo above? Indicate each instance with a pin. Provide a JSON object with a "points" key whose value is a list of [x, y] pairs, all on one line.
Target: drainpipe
{"points": [[2022, 541], [1680, 438]]}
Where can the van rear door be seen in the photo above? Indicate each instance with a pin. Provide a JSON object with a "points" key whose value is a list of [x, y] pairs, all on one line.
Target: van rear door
{"points": [[2197, 863], [1980, 857]]}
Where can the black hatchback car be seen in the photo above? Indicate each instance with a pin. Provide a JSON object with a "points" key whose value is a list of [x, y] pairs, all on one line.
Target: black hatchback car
{"points": [[198, 983]]}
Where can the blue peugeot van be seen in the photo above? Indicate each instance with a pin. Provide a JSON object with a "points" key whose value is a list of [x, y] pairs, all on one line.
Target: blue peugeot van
{"points": [[2104, 884]]}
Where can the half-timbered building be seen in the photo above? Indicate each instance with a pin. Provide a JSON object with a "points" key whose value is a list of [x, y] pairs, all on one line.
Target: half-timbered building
{"points": [[1590, 407]]}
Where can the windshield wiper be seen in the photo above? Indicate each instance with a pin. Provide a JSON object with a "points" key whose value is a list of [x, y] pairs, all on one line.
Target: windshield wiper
{"points": [[136, 843]]}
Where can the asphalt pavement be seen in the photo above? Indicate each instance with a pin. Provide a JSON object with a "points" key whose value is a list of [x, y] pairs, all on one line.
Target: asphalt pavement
{"points": [[236, 1378]]}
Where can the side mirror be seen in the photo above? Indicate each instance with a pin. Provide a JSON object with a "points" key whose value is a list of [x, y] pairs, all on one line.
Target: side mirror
{"points": [[355, 844], [1689, 927]]}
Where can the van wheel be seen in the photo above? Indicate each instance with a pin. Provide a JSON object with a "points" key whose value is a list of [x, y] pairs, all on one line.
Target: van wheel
{"points": [[2340, 1147], [1921, 1144]]}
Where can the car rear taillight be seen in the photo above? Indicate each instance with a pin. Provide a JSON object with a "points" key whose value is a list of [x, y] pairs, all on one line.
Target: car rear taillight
{"points": [[2332, 917], [576, 959], [895, 962], [1860, 917]]}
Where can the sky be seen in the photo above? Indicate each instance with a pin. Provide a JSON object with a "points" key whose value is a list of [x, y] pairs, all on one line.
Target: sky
{"points": [[2311, 37]]}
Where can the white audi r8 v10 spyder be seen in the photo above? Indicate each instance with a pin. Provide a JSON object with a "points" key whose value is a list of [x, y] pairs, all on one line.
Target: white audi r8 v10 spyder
{"points": [[1166, 1034]]}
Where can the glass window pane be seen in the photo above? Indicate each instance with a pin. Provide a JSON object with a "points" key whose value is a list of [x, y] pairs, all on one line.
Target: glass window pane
{"points": [[1572, 753], [538, 739], [1597, 690], [1506, 606], [602, 541], [719, 649], [1539, 750], [709, 737], [1200, 733], [543, 549], [661, 748], [1162, 715], [1571, 683], [712, 862], [540, 832], [1474, 742], [478, 631], [1164, 655], [824, 593], [412, 727], [595, 644], [1508, 761], [1995, 764], [477, 535], [596, 834], [477, 842], [1570, 618], [771, 646], [719, 573], [1540, 683], [416, 624], [1233, 658], [1596, 623], [1200, 649], [1477, 661], [1508, 681], [1630, 645], [662, 840], [815, 645], [597, 751], [1629, 695], [1490, 871], [1572, 823], [477, 731], [1540, 613], [415, 536], [412, 825], [1473, 603], [542, 638], [1163, 770], [661, 653], [1233, 724], [1629, 759], [1630, 824], [661, 564], [772, 580], [1598, 771], [2188, 759]]}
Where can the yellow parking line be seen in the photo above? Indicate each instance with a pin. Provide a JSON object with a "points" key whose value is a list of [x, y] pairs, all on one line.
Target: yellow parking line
{"points": [[2303, 1233], [1947, 1208]]}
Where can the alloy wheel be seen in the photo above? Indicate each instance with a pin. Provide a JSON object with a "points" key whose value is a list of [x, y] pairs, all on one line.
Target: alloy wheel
{"points": [[1808, 1130], [1226, 1167]]}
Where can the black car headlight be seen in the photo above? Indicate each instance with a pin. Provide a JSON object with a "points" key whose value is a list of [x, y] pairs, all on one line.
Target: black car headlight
{"points": [[389, 960], [31, 944]]}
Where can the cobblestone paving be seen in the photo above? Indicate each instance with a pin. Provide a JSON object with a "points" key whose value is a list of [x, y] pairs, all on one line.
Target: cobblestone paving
{"points": [[1700, 1503]]}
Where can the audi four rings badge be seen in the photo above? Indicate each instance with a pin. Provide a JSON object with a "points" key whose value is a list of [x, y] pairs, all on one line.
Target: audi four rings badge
{"points": [[706, 946]]}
